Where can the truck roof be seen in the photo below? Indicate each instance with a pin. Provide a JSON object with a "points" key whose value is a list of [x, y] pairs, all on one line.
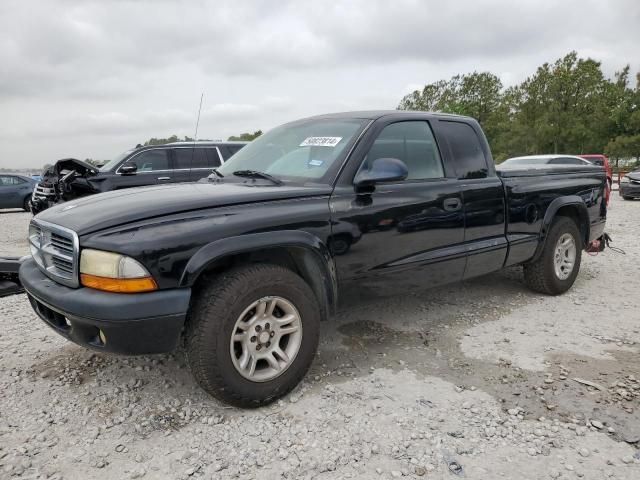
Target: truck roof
{"points": [[204, 142], [375, 114]]}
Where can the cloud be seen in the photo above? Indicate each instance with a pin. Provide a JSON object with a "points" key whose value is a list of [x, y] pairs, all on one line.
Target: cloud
{"points": [[87, 77]]}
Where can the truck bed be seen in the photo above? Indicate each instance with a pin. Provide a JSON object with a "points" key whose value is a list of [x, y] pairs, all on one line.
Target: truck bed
{"points": [[535, 194]]}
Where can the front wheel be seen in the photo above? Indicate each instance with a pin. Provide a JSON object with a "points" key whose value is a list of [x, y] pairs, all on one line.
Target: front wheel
{"points": [[26, 204], [556, 269], [252, 334]]}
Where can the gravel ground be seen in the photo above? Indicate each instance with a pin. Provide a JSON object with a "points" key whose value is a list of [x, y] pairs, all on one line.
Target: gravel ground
{"points": [[478, 380], [13, 232]]}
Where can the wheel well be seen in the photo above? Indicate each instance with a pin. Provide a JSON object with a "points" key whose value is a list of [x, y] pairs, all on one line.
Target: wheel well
{"points": [[579, 217], [298, 260]]}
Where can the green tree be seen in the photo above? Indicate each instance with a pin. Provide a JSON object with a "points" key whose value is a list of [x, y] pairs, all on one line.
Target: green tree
{"points": [[163, 141], [567, 106], [625, 119], [478, 95], [245, 137]]}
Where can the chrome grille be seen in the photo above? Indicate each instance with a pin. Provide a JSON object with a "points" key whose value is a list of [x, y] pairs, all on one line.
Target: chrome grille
{"points": [[41, 191], [55, 250]]}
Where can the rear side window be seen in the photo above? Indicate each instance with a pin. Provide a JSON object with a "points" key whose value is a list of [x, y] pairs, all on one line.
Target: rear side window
{"points": [[186, 158], [567, 161], [466, 148], [151, 160], [8, 181]]}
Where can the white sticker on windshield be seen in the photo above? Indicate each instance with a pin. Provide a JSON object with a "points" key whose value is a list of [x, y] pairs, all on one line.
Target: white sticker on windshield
{"points": [[321, 141]]}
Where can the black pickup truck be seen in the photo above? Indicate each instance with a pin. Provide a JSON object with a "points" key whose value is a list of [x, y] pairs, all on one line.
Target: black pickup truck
{"points": [[245, 264]]}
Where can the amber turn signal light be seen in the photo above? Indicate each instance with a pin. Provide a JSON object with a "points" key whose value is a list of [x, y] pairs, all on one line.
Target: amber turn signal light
{"points": [[119, 285]]}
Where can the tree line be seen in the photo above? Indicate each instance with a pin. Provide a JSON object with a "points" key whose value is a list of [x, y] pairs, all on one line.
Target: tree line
{"points": [[246, 137], [568, 106]]}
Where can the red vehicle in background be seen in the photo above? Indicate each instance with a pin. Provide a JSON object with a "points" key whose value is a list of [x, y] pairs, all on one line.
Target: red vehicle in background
{"points": [[603, 161]]}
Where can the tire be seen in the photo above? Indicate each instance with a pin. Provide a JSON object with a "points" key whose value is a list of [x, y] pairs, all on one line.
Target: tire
{"points": [[541, 275], [26, 204], [627, 198], [221, 304]]}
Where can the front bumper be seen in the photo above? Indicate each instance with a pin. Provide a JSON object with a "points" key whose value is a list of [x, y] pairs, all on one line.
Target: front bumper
{"points": [[132, 324], [630, 189]]}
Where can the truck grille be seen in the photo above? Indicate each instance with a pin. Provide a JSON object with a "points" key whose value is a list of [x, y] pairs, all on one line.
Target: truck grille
{"points": [[43, 192], [55, 250]]}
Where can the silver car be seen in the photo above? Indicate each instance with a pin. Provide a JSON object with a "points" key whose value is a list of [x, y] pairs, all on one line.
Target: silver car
{"points": [[553, 159]]}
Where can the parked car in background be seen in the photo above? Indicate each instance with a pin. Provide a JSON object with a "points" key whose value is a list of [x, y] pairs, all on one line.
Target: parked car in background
{"points": [[175, 162], [15, 191], [630, 185], [546, 160]]}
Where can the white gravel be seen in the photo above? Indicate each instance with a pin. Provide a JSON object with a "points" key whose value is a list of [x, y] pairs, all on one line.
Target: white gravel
{"points": [[412, 386], [14, 226], [601, 313]]}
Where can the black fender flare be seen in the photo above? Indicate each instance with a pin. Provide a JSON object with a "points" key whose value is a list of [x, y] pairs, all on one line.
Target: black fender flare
{"points": [[316, 260], [551, 213]]}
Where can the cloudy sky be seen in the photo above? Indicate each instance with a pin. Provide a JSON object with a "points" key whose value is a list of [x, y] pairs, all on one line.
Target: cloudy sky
{"points": [[93, 78]]}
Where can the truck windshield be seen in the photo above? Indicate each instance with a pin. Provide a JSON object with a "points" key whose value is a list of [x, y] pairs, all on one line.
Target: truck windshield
{"points": [[299, 152], [112, 163]]}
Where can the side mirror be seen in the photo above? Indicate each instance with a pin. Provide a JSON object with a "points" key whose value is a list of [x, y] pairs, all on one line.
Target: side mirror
{"points": [[129, 169], [382, 170]]}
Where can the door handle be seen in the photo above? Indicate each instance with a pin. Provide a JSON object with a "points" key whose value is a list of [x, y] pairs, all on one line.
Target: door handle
{"points": [[164, 178], [452, 204]]}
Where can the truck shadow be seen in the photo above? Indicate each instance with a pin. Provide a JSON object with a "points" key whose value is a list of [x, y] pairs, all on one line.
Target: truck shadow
{"points": [[416, 332]]}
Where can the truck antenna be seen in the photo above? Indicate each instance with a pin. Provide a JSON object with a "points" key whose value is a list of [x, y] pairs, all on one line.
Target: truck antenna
{"points": [[195, 136]]}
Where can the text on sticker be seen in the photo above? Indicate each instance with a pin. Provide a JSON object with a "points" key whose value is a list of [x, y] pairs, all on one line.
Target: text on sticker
{"points": [[320, 141]]}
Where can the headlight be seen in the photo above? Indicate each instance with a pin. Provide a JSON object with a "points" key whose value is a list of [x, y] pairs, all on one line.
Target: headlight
{"points": [[624, 179], [113, 272]]}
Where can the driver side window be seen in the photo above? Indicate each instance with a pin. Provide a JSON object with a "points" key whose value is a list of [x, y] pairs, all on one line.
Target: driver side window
{"points": [[151, 160], [414, 144]]}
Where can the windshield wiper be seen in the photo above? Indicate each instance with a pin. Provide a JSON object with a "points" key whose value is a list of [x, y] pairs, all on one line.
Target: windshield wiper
{"points": [[215, 170], [257, 174]]}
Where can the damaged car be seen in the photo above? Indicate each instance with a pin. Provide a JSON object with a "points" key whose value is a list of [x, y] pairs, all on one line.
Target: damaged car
{"points": [[630, 185], [177, 162]]}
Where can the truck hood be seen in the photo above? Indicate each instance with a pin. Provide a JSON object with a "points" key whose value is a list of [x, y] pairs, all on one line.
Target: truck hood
{"points": [[68, 164], [97, 212]]}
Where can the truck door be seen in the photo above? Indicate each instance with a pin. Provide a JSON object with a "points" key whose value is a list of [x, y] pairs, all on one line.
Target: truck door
{"points": [[483, 196], [408, 233], [153, 167], [184, 159]]}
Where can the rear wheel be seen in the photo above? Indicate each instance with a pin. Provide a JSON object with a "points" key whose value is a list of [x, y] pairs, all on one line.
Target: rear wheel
{"points": [[252, 334], [556, 269]]}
